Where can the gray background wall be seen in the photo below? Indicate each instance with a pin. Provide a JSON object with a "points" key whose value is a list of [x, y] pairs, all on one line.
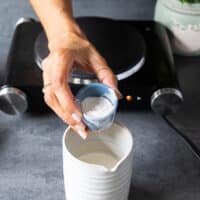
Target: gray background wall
{"points": [[123, 9]]}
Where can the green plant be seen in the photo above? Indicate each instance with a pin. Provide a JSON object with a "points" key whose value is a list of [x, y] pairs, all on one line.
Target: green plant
{"points": [[190, 1]]}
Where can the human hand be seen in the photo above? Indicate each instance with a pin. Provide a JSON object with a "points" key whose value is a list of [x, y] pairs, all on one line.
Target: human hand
{"points": [[65, 50]]}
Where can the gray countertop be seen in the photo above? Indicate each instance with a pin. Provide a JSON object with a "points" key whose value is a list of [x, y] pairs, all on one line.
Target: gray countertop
{"points": [[30, 145]]}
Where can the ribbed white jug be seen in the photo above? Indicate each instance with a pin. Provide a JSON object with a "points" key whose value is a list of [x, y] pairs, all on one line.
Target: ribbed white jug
{"points": [[100, 167]]}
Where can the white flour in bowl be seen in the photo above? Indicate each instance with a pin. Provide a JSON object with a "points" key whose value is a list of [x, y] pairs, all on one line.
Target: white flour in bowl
{"points": [[96, 107]]}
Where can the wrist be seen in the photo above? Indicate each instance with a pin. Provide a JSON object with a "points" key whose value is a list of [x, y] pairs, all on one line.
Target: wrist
{"points": [[60, 27], [69, 35]]}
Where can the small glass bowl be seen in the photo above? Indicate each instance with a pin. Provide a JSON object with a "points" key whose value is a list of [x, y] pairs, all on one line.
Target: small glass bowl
{"points": [[98, 122]]}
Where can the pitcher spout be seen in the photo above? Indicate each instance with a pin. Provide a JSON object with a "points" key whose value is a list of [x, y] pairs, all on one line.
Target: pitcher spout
{"points": [[116, 167]]}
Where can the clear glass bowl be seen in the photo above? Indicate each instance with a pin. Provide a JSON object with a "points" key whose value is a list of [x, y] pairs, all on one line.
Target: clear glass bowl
{"points": [[101, 116]]}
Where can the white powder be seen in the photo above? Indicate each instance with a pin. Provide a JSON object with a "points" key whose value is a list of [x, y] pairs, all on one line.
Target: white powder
{"points": [[96, 107]]}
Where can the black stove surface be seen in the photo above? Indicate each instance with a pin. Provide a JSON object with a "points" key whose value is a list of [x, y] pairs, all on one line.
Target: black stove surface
{"points": [[140, 49], [119, 43]]}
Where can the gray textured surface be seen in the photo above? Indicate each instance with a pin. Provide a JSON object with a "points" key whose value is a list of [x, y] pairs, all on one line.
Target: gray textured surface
{"points": [[30, 146], [188, 119]]}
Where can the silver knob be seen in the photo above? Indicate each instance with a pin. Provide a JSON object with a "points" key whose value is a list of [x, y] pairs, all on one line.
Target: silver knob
{"points": [[166, 101], [13, 101], [23, 20]]}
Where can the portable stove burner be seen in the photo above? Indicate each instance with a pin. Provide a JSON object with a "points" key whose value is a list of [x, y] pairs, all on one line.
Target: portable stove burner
{"points": [[138, 52], [120, 44]]}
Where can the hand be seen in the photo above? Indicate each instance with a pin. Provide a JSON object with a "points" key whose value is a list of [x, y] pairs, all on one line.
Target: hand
{"points": [[65, 50]]}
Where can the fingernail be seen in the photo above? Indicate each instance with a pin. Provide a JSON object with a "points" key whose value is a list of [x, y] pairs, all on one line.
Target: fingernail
{"points": [[82, 133], [76, 117], [79, 127], [118, 93]]}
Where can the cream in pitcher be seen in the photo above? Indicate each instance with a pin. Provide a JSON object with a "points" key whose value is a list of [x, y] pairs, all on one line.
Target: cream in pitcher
{"points": [[105, 159]]}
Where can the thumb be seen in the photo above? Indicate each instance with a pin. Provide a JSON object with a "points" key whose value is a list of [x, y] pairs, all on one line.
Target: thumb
{"points": [[104, 72]]}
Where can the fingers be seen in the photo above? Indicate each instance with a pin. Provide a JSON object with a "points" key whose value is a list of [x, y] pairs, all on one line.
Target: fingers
{"points": [[73, 119], [71, 110], [104, 73], [58, 95], [106, 76]]}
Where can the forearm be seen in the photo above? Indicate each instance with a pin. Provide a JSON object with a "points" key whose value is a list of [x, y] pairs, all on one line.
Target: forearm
{"points": [[56, 16]]}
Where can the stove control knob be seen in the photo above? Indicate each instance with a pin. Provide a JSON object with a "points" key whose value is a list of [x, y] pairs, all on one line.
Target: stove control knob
{"points": [[23, 20], [13, 101], [166, 101]]}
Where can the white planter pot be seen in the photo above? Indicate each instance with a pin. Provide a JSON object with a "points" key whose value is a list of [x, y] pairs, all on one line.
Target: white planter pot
{"points": [[183, 21]]}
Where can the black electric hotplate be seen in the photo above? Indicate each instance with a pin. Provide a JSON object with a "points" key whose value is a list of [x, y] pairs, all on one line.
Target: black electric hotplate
{"points": [[138, 52]]}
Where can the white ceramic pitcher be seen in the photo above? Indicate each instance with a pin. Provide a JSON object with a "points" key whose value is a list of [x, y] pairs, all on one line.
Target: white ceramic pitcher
{"points": [[100, 167]]}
